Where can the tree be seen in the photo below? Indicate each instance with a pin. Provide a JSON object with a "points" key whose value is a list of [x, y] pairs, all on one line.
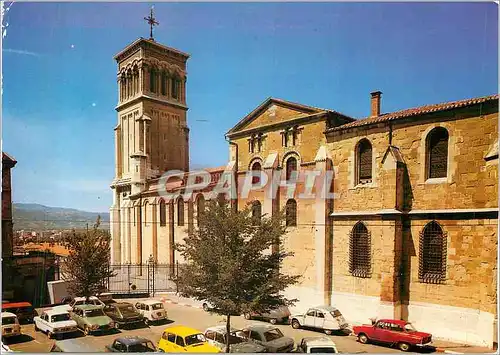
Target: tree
{"points": [[87, 265], [233, 263]]}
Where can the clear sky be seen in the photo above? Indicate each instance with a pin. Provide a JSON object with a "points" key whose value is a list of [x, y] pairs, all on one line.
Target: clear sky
{"points": [[59, 76]]}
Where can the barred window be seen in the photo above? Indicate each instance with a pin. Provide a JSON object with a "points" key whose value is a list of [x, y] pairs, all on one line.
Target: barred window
{"points": [[200, 207], [180, 212], [163, 214], [291, 213], [364, 162], [437, 153], [152, 80], [360, 251], [256, 212], [432, 254], [291, 166]]}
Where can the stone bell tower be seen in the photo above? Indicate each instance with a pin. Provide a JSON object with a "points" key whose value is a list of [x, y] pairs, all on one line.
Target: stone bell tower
{"points": [[151, 135]]}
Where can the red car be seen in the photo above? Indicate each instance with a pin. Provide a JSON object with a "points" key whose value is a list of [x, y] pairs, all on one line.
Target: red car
{"points": [[394, 332]]}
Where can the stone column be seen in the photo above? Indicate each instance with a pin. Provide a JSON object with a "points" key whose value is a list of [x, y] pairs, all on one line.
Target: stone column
{"points": [[118, 162], [171, 236], [154, 226], [141, 79], [115, 229], [138, 226]]}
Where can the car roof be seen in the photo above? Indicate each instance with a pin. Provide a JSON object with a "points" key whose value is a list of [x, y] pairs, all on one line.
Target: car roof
{"points": [[149, 302], [118, 304], [87, 307], [56, 310], [395, 321], [131, 340], [16, 304], [93, 298], [261, 327], [8, 314], [319, 340], [325, 308], [220, 329], [182, 330], [77, 345]]}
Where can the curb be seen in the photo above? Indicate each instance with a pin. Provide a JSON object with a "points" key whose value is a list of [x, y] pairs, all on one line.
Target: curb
{"points": [[167, 300]]}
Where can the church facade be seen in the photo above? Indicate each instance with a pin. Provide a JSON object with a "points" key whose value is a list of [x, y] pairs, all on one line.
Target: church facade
{"points": [[404, 226]]}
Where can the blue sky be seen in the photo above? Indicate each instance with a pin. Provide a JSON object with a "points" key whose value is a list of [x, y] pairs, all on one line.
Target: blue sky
{"points": [[59, 76]]}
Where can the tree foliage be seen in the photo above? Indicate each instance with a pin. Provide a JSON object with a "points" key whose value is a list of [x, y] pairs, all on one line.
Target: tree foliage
{"points": [[234, 263], [87, 266]]}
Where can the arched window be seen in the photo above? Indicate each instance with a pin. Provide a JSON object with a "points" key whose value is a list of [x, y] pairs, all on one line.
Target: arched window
{"points": [[180, 212], [291, 166], [256, 212], [432, 254], [291, 213], [256, 167], [163, 214], [152, 80], [437, 153], [360, 251], [364, 162], [175, 88], [163, 83], [146, 205], [200, 207]]}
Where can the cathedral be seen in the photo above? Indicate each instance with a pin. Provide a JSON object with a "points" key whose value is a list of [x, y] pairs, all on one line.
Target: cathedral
{"points": [[411, 233]]}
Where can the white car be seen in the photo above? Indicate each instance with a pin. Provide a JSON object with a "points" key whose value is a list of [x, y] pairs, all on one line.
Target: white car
{"points": [[10, 325], [77, 301], [326, 318], [317, 345], [55, 322], [151, 310]]}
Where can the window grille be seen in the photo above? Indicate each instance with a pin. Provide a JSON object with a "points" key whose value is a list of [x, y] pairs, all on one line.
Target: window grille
{"points": [[432, 254], [256, 212], [360, 251], [438, 153], [163, 214], [291, 166], [180, 212], [291, 213], [364, 162]]}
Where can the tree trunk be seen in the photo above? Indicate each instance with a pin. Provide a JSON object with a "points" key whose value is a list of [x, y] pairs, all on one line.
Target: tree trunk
{"points": [[228, 331]]}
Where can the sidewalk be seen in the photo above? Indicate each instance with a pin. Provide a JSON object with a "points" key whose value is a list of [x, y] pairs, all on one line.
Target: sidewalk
{"points": [[441, 346]]}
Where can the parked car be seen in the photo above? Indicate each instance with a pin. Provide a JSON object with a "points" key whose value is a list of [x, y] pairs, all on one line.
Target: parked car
{"points": [[23, 310], [55, 323], [317, 345], [131, 344], [6, 349], [326, 318], [394, 332], [91, 318], [278, 315], [10, 325], [151, 310], [76, 345], [184, 339], [268, 336], [217, 337], [78, 301], [106, 297], [123, 314]]}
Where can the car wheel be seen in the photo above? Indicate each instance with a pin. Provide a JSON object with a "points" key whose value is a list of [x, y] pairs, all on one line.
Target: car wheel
{"points": [[117, 325], [36, 328], [404, 346], [146, 321], [363, 339], [273, 321], [295, 324], [86, 330], [205, 307], [328, 331]]}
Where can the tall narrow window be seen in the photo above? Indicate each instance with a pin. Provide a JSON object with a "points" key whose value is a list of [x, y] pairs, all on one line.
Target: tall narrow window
{"points": [[180, 212], [163, 83], [146, 205], [163, 214], [364, 162], [256, 212], [175, 88], [437, 153], [291, 167], [200, 208], [256, 167], [359, 251], [291, 213], [152, 80], [432, 254]]}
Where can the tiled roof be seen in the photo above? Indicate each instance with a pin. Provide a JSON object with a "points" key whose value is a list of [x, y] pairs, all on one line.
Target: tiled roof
{"points": [[414, 112]]}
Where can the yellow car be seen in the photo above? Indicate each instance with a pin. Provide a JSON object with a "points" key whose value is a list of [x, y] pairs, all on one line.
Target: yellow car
{"points": [[180, 339]]}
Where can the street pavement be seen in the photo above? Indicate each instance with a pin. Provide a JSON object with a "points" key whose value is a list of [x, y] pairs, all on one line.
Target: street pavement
{"points": [[189, 314]]}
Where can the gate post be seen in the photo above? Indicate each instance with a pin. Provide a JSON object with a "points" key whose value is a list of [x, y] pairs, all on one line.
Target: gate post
{"points": [[128, 277]]}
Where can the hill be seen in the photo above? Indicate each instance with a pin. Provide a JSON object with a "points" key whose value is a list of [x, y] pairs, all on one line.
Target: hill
{"points": [[33, 216]]}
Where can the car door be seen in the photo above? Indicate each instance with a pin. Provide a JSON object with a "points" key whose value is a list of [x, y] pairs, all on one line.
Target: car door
{"points": [[255, 336], [309, 318], [220, 342], [210, 336], [170, 342], [179, 344], [380, 331], [43, 322], [319, 320]]}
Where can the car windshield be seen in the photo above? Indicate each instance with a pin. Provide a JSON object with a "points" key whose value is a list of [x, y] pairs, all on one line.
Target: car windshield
{"points": [[194, 339], [60, 317], [127, 308], [147, 346], [157, 306], [273, 334], [410, 328], [323, 350], [94, 313], [8, 320], [336, 313]]}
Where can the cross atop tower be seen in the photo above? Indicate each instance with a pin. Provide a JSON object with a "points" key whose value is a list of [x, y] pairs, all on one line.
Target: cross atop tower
{"points": [[152, 22]]}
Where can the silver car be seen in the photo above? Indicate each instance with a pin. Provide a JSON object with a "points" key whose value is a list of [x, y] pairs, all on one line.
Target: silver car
{"points": [[268, 336], [277, 315]]}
